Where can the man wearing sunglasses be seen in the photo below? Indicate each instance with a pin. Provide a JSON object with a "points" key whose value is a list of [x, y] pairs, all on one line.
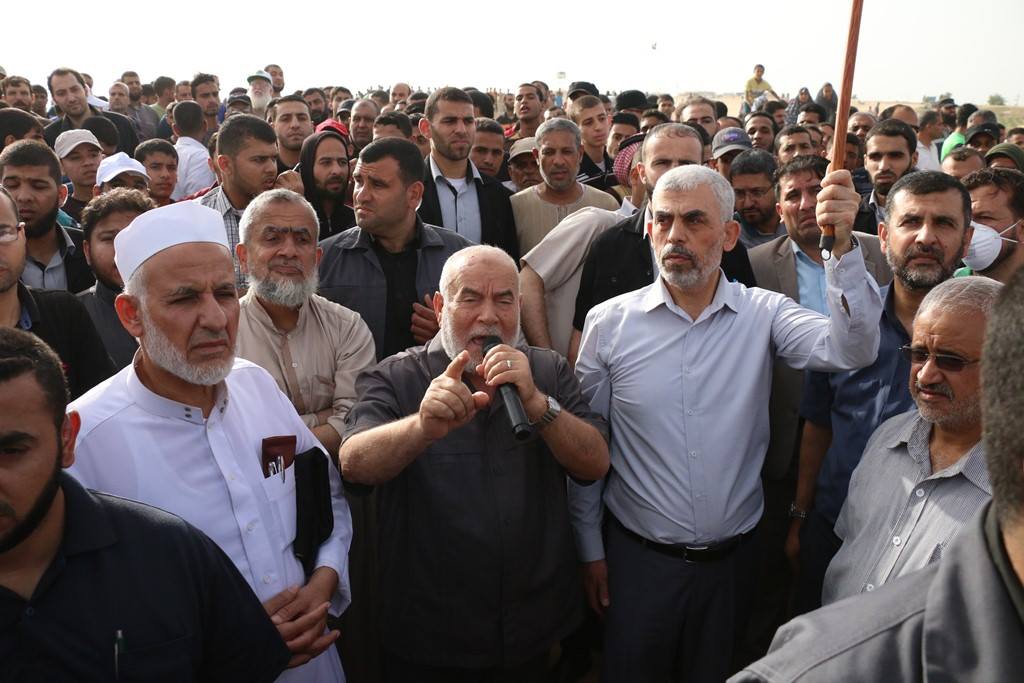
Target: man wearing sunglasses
{"points": [[926, 233], [922, 476]]}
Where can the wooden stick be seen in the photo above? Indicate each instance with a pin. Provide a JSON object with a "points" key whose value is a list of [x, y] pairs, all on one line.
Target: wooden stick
{"points": [[828, 232]]}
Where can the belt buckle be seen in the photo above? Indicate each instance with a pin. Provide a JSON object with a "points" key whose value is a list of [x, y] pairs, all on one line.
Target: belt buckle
{"points": [[692, 548]]}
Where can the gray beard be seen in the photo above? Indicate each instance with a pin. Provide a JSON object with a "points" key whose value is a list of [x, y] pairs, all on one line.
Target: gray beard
{"points": [[162, 351], [288, 293]]}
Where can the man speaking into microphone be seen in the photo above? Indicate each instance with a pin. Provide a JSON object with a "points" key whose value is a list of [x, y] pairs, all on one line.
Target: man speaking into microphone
{"points": [[478, 573]]}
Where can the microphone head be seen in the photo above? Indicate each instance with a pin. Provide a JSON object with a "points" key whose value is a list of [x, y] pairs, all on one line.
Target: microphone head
{"points": [[491, 342]]}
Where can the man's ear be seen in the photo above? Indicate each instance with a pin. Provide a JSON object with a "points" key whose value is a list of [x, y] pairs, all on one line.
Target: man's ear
{"points": [[62, 193], [68, 434], [129, 312], [883, 238], [438, 302], [85, 251], [243, 257], [424, 127], [223, 162]]}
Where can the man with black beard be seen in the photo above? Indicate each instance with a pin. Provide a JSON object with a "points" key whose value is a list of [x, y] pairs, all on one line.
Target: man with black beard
{"points": [[55, 316], [927, 232], [65, 551], [102, 218], [323, 164], [313, 347], [31, 172], [890, 153], [316, 98]]}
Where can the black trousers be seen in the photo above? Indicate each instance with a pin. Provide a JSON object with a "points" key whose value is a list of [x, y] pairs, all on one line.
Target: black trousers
{"points": [[818, 545], [398, 670], [673, 620]]}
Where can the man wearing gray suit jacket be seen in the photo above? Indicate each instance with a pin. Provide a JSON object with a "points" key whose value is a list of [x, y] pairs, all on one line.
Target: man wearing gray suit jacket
{"points": [[790, 264], [962, 618]]}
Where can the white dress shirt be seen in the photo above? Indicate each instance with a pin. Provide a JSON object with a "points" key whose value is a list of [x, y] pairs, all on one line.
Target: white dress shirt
{"points": [[687, 400], [193, 168], [928, 157], [138, 445]]}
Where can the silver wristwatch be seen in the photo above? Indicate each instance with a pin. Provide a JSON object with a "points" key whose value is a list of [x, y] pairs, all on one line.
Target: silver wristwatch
{"points": [[553, 411]]}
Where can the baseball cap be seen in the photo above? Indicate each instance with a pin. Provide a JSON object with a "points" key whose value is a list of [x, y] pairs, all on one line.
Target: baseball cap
{"points": [[946, 102], [115, 165], [522, 146], [1009, 150], [244, 99], [631, 99], [582, 86], [260, 74], [729, 139], [70, 139], [626, 117], [982, 129]]}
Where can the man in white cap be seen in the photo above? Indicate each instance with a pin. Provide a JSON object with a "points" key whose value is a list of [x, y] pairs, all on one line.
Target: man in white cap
{"points": [[80, 155], [189, 428], [120, 170], [260, 92]]}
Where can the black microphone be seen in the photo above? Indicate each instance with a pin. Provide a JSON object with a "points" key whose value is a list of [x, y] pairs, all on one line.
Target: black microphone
{"points": [[521, 428]]}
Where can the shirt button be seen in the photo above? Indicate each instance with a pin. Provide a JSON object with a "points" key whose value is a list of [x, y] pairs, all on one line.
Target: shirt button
{"points": [[870, 587], [267, 578], [250, 526], [295, 365], [896, 540], [920, 493], [689, 412], [693, 454], [30, 611]]}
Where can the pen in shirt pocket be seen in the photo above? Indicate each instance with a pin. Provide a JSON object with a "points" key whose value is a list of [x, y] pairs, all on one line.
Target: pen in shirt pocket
{"points": [[118, 648]]}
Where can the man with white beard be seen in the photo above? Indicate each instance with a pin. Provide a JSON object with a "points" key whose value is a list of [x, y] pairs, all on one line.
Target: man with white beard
{"points": [[189, 428], [313, 348], [480, 578], [261, 91]]}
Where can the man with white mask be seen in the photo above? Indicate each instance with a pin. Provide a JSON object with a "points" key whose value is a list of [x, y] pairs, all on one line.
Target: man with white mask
{"points": [[189, 428], [997, 204]]}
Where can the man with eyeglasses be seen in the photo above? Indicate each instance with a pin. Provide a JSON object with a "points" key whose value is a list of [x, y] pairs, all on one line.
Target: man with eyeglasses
{"points": [[752, 177], [922, 476], [926, 233]]}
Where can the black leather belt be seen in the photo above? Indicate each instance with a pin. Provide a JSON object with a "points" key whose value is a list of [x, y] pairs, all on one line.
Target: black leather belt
{"points": [[712, 552]]}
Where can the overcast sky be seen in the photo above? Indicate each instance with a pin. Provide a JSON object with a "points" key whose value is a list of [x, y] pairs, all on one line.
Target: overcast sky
{"points": [[908, 48]]}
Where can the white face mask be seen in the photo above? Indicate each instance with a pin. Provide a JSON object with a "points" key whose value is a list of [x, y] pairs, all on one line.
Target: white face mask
{"points": [[985, 246]]}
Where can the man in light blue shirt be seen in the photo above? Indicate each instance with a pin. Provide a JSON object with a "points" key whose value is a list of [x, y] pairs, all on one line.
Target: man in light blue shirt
{"points": [[682, 371]]}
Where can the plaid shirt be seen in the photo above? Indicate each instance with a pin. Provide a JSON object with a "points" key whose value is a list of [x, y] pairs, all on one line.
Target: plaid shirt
{"points": [[217, 200]]}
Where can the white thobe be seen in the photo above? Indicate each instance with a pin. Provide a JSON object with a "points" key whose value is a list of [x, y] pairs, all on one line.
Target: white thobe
{"points": [[139, 445]]}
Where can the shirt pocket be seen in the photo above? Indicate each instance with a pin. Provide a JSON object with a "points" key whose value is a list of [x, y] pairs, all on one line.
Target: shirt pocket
{"points": [[281, 496], [169, 661]]}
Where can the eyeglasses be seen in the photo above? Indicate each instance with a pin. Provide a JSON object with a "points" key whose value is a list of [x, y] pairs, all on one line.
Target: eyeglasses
{"points": [[944, 361], [9, 233]]}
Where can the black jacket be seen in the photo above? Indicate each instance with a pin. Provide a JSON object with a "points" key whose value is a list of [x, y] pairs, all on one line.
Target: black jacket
{"points": [[343, 217], [619, 261], [866, 220], [128, 139], [497, 224], [60, 320], [76, 268]]}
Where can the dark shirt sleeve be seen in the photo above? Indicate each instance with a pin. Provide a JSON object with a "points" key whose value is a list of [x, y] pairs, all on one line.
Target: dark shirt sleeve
{"points": [[376, 402], [240, 643], [816, 400], [736, 266], [90, 363]]}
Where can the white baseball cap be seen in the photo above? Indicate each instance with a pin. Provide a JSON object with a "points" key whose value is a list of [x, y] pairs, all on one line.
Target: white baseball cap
{"points": [[115, 165], [70, 139]]}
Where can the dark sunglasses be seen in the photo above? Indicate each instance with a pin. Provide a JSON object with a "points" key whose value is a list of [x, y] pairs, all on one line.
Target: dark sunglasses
{"points": [[943, 361]]}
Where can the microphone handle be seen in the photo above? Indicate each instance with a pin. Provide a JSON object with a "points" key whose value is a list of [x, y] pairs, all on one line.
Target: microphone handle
{"points": [[521, 428]]}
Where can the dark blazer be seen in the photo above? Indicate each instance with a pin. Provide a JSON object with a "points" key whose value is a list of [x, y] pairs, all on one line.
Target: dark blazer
{"points": [[128, 139], [76, 268], [774, 265], [497, 224], [866, 220]]}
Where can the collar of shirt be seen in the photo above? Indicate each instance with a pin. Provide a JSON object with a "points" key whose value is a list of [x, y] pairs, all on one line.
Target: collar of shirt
{"points": [[221, 203], [105, 293], [86, 527], [626, 209], [471, 171], [725, 295], [185, 141], [164, 407], [879, 209], [799, 253], [889, 309], [915, 437]]}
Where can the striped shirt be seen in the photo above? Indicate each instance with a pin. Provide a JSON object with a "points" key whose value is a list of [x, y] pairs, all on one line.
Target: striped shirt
{"points": [[217, 200], [899, 516]]}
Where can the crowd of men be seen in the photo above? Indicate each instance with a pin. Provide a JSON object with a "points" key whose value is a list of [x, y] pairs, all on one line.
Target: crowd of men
{"points": [[506, 387]]}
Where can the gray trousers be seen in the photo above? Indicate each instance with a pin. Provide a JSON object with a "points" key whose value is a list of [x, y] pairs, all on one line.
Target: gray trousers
{"points": [[673, 620]]}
